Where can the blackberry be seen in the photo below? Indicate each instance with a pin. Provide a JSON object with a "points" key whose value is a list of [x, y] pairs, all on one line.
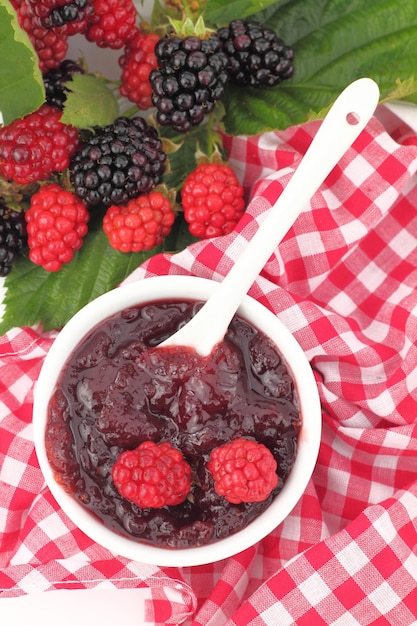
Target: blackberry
{"points": [[256, 55], [55, 82], [70, 16], [13, 236], [118, 162], [190, 78]]}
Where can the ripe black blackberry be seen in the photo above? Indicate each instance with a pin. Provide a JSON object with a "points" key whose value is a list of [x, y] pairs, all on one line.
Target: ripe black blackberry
{"points": [[117, 162], [56, 79], [256, 55], [13, 237], [190, 78]]}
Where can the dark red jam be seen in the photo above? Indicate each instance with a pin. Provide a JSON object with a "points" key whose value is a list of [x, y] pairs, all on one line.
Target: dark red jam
{"points": [[115, 392]]}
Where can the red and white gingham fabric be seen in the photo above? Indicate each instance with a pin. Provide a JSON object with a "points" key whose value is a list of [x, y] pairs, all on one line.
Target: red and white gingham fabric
{"points": [[344, 281]]}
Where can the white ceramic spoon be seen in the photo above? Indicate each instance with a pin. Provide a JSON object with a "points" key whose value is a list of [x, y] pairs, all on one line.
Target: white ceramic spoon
{"points": [[342, 125]]}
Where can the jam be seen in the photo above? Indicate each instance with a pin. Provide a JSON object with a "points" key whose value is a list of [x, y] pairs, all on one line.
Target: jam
{"points": [[117, 390]]}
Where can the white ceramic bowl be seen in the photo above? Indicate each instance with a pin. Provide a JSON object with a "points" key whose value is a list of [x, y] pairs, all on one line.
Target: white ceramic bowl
{"points": [[165, 288]]}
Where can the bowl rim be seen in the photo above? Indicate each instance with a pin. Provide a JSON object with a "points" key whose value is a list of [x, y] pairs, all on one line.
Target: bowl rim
{"points": [[138, 292]]}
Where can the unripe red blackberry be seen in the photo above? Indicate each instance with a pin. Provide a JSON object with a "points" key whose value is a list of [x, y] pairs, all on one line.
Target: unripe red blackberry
{"points": [[13, 236], [137, 63], [36, 146], [50, 46], [112, 24], [256, 55], [56, 224], [56, 79], [190, 78], [118, 162]]}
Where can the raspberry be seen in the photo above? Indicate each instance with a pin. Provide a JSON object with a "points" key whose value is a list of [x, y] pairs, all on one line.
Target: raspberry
{"points": [[256, 56], [212, 199], [69, 17], [243, 471], [50, 46], [56, 223], [118, 162], [137, 63], [152, 475], [34, 147], [141, 224], [56, 79], [13, 237], [112, 24], [190, 79]]}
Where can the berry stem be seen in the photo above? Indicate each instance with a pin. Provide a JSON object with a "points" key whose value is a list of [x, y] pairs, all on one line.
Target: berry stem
{"points": [[214, 141]]}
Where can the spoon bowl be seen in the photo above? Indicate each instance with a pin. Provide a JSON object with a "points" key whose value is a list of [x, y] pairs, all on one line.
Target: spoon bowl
{"points": [[78, 329]]}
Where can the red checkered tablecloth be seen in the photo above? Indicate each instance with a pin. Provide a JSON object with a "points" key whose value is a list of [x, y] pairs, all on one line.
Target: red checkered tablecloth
{"points": [[344, 282]]}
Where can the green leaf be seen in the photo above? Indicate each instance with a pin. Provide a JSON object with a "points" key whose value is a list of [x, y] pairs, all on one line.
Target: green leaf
{"points": [[404, 90], [89, 102], [34, 295], [21, 85], [220, 13], [334, 43]]}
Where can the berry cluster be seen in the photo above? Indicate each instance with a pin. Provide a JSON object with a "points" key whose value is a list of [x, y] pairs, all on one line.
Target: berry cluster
{"points": [[193, 72], [116, 170]]}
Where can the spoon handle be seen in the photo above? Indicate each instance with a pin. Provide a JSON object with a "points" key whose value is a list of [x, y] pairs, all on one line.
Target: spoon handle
{"points": [[343, 123]]}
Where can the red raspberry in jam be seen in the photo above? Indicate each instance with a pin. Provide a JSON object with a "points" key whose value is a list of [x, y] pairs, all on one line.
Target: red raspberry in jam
{"points": [[137, 63], [141, 224], [50, 46], [152, 475], [212, 199], [243, 471], [112, 24], [34, 147], [56, 224]]}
